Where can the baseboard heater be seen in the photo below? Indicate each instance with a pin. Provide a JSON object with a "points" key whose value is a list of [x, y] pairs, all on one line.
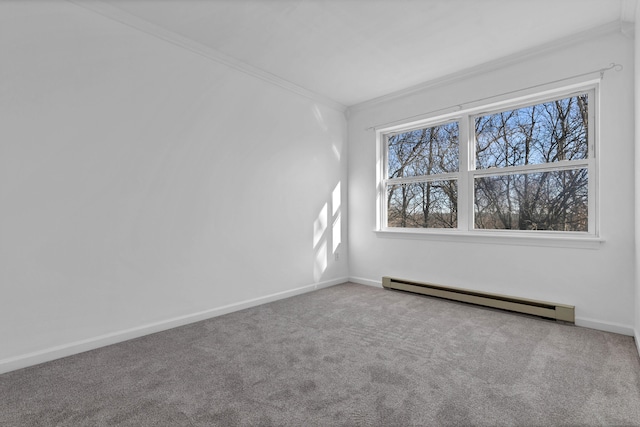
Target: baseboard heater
{"points": [[565, 313]]}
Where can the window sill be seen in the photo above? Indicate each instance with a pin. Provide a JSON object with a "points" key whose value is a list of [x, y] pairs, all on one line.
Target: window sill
{"points": [[498, 238]]}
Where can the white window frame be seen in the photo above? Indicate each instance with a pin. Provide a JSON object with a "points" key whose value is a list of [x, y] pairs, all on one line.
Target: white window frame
{"points": [[467, 173]]}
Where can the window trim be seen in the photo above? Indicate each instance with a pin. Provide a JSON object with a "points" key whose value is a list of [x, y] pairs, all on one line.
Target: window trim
{"points": [[467, 173]]}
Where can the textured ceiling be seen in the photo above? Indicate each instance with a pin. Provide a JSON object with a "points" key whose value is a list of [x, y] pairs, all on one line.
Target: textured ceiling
{"points": [[355, 50]]}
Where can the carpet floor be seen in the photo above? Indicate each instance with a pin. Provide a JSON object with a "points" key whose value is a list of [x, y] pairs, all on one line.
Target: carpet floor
{"points": [[348, 355]]}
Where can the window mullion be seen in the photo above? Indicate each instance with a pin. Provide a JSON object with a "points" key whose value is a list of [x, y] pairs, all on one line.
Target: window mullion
{"points": [[381, 171], [464, 189], [593, 164]]}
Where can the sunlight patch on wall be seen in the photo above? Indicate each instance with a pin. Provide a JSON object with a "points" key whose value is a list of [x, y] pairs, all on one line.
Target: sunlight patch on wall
{"points": [[336, 152], [320, 263], [320, 242], [325, 237], [318, 115], [337, 233], [320, 225], [335, 199]]}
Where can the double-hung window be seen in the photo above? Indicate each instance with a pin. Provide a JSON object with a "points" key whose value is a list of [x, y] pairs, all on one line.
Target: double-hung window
{"points": [[526, 166]]}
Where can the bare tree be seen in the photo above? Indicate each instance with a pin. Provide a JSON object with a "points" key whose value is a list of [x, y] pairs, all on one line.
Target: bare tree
{"points": [[546, 133], [424, 153]]}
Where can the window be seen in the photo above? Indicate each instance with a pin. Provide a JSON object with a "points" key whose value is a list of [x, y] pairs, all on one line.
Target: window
{"points": [[422, 189], [523, 166]]}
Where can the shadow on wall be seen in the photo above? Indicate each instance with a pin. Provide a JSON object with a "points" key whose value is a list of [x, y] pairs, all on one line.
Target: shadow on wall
{"points": [[327, 237]]}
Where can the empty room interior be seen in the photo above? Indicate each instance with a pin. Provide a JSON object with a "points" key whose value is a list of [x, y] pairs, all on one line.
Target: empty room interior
{"points": [[201, 200]]}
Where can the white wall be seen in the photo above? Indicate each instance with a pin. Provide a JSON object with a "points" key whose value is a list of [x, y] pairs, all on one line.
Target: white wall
{"points": [[637, 177], [599, 282], [143, 185]]}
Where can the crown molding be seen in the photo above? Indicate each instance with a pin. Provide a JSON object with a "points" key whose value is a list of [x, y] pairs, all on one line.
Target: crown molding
{"points": [[186, 43], [593, 33]]}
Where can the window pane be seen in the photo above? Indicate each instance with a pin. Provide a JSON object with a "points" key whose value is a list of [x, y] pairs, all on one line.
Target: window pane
{"points": [[555, 200], [426, 151], [543, 133], [423, 205]]}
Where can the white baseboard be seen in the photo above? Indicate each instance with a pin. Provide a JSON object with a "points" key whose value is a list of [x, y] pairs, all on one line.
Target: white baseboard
{"points": [[64, 350], [363, 281], [604, 326], [637, 339]]}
